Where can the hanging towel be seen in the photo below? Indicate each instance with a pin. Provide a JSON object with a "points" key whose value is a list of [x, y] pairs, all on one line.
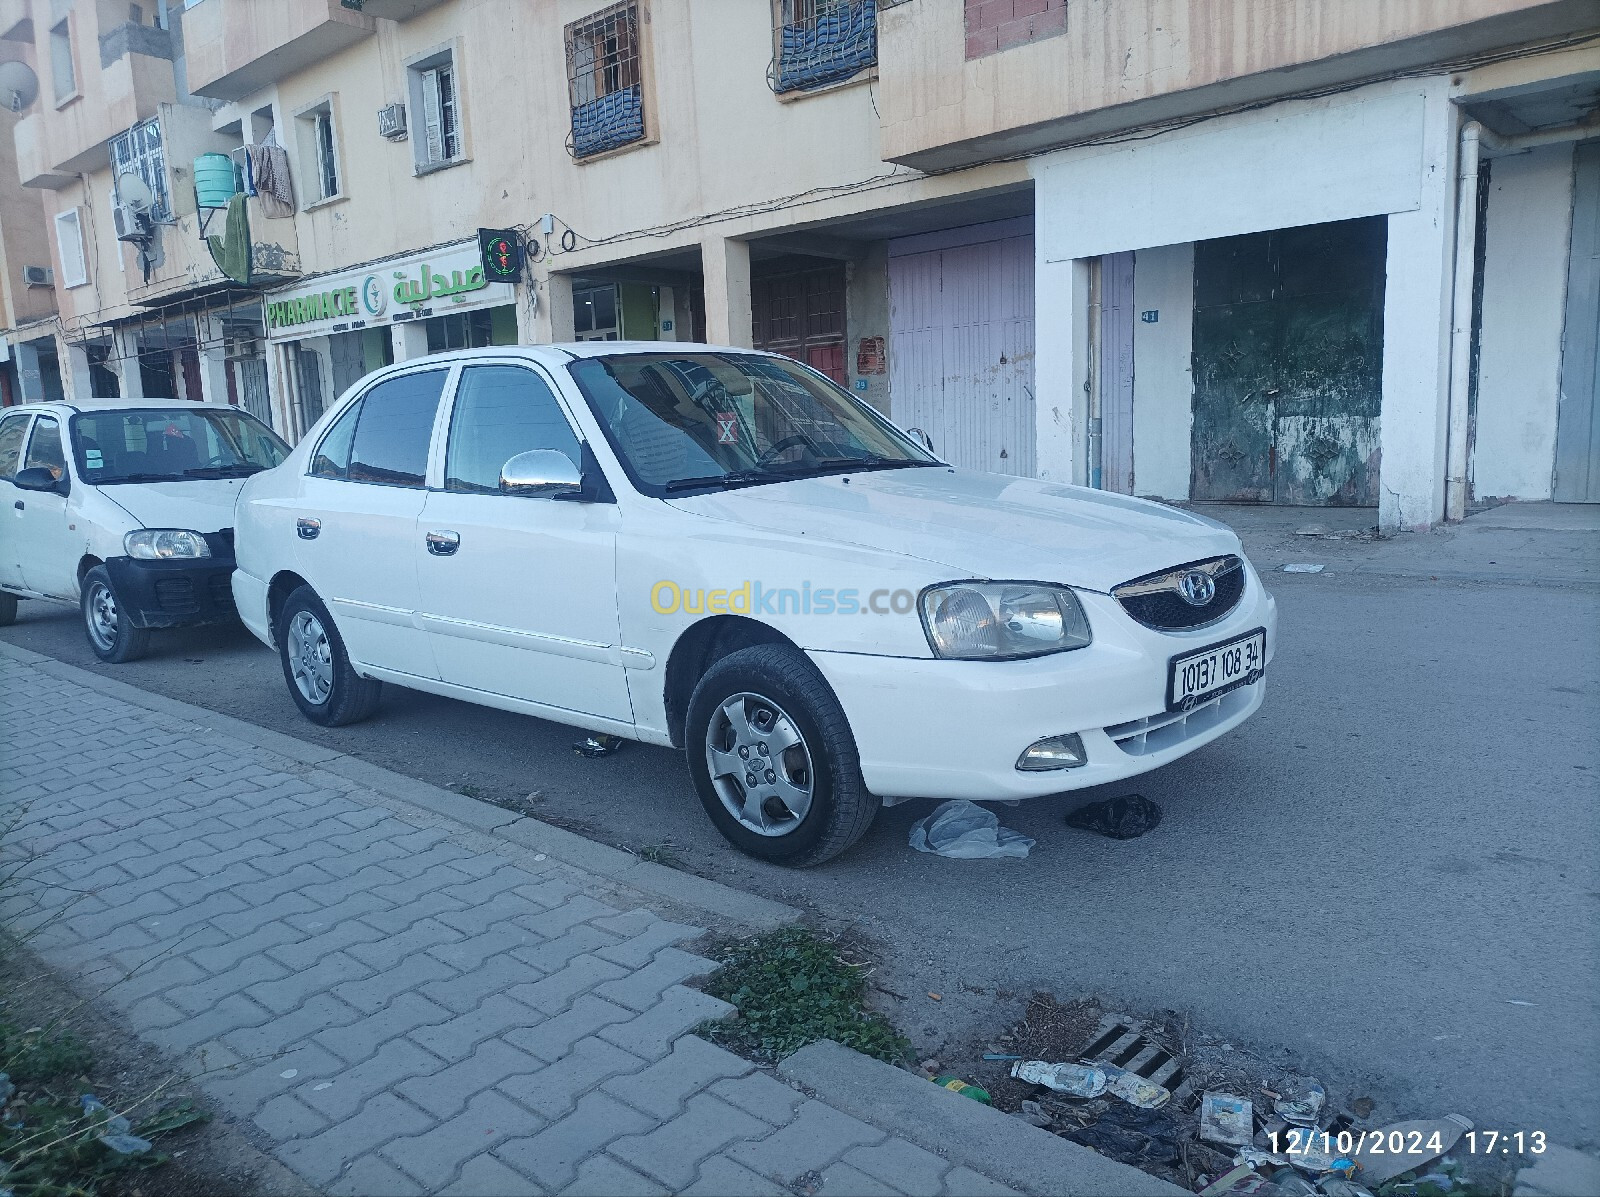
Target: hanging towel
{"points": [[231, 252], [270, 166]]}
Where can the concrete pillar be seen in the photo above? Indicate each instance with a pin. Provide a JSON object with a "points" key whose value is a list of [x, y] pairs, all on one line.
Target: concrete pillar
{"points": [[213, 361], [410, 340], [726, 264], [1414, 417], [1061, 370], [76, 382], [125, 362], [281, 388], [551, 321], [667, 316], [30, 378]]}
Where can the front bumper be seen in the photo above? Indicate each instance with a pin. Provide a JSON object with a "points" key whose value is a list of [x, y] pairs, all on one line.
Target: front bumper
{"points": [[929, 728], [171, 594]]}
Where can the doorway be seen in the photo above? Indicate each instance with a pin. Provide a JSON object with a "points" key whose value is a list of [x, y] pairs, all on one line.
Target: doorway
{"points": [[1577, 478], [1288, 365]]}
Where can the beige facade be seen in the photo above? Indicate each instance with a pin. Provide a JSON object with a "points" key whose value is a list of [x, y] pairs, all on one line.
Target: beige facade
{"points": [[916, 200]]}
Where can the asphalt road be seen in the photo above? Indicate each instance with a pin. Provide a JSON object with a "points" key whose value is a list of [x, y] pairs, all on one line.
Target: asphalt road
{"points": [[1393, 871]]}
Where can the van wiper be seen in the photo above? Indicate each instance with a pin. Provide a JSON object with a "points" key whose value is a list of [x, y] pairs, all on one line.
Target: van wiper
{"points": [[242, 469], [733, 478], [137, 478]]}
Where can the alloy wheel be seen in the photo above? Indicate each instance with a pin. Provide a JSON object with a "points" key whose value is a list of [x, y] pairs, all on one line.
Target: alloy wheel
{"points": [[310, 657], [760, 764]]}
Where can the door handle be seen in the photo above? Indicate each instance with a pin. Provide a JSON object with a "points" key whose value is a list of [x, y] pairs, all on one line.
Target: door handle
{"points": [[443, 544], [307, 529], [20, 505]]}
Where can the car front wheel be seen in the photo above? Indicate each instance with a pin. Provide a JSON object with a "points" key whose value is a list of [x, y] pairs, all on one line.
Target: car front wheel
{"points": [[112, 636], [322, 682], [773, 758]]}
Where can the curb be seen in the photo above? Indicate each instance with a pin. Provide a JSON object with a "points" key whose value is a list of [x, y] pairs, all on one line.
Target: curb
{"points": [[984, 1139], [520, 833]]}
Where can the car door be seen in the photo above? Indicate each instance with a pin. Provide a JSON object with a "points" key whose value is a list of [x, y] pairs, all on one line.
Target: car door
{"points": [[519, 593], [48, 552], [13, 434], [357, 514]]}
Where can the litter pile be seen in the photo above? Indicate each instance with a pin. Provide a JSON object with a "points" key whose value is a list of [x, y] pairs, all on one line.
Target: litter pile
{"points": [[1206, 1115]]}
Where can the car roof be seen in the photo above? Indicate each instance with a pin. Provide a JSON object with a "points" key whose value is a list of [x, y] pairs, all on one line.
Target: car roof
{"points": [[78, 405], [571, 350]]}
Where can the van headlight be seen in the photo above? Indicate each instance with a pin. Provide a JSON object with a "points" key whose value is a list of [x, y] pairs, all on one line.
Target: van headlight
{"points": [[1002, 621], [165, 544]]}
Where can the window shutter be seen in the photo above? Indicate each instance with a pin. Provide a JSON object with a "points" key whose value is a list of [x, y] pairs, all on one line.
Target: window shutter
{"points": [[432, 117], [69, 243]]}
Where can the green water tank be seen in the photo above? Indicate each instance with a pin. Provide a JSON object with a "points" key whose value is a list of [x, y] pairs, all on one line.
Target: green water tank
{"points": [[216, 180]]}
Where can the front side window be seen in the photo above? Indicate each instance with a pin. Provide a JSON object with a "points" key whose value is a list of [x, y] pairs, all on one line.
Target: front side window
{"points": [[603, 80], [502, 411], [12, 429], [44, 448], [172, 445], [822, 41], [395, 428], [715, 420]]}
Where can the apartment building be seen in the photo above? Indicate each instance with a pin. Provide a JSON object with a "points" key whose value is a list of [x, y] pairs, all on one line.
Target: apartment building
{"points": [[1246, 249]]}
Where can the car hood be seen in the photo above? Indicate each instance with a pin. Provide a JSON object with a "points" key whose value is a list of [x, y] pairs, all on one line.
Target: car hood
{"points": [[980, 525], [201, 505]]}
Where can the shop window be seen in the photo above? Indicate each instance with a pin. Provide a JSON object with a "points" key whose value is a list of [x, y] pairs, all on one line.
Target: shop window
{"points": [[434, 94], [501, 411], [320, 152], [140, 152], [62, 69], [818, 42], [603, 81], [461, 330], [594, 313], [391, 442], [69, 248]]}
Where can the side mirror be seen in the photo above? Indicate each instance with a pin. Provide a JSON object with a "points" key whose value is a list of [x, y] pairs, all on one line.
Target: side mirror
{"points": [[541, 474], [921, 437], [41, 479]]}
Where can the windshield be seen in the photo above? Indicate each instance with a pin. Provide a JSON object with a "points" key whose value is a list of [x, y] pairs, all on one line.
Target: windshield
{"points": [[706, 421], [167, 444]]}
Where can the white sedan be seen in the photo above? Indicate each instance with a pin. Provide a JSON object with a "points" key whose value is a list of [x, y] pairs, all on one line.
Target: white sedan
{"points": [[124, 509], [723, 551]]}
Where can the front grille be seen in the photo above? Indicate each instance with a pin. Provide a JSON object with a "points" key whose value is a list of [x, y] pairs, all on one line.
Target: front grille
{"points": [[176, 596], [1156, 601]]}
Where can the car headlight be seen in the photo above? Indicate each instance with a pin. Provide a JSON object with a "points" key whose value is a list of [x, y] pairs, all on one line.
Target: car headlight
{"points": [[1001, 621], [165, 544]]}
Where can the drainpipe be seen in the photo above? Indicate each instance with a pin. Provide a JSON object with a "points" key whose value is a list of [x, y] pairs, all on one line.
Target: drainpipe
{"points": [[1091, 406], [1455, 486]]}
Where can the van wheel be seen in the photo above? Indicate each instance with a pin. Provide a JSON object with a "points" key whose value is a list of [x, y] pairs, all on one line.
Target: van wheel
{"points": [[321, 681], [773, 758], [112, 637], [8, 609]]}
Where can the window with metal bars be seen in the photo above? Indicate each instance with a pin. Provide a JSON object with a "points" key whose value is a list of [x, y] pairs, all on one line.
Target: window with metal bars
{"points": [[435, 95], [603, 81], [818, 42], [140, 152]]}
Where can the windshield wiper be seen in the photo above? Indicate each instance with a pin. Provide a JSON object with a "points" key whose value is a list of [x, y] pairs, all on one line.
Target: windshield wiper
{"points": [[241, 469], [834, 465], [137, 478], [726, 481]]}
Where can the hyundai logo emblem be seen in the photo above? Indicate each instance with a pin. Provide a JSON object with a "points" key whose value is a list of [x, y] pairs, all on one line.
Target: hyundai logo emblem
{"points": [[1196, 588]]}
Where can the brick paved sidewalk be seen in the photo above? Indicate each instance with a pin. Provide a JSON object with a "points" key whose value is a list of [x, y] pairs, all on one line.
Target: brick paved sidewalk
{"points": [[398, 1003]]}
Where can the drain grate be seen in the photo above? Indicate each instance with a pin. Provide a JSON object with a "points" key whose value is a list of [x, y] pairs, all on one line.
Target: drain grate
{"points": [[1121, 1041]]}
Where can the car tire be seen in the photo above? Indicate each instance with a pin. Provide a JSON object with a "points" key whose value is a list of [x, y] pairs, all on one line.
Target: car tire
{"points": [[8, 609], [769, 703], [112, 637], [321, 680]]}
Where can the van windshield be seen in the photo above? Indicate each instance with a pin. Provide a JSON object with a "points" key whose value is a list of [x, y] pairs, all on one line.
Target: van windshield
{"points": [[707, 421], [163, 444]]}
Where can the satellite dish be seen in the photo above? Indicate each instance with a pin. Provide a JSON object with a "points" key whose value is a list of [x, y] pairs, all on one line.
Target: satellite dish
{"points": [[134, 193], [19, 86]]}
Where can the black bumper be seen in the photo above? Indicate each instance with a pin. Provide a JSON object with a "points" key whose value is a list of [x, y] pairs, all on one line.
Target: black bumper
{"points": [[172, 594]]}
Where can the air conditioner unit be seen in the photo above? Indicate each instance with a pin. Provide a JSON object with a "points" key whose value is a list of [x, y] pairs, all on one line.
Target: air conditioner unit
{"points": [[131, 224], [392, 122], [38, 276]]}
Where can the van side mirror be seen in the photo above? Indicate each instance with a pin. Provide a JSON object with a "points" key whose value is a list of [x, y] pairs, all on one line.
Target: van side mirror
{"points": [[40, 479], [541, 474]]}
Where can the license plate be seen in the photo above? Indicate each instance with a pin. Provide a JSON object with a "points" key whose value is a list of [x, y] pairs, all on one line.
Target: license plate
{"points": [[1201, 676]]}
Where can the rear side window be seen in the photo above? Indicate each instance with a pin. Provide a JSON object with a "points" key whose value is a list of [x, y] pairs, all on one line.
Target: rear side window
{"points": [[332, 459], [44, 448], [11, 430], [396, 424], [501, 411]]}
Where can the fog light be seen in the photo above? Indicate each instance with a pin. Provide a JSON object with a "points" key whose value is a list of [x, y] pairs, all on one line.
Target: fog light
{"points": [[1056, 752]]}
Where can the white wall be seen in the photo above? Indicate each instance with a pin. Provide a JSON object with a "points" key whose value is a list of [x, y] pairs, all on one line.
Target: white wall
{"points": [[1163, 379], [1524, 298]]}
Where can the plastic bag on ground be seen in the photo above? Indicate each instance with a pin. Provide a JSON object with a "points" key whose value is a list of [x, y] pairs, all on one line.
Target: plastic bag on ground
{"points": [[965, 831]]}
